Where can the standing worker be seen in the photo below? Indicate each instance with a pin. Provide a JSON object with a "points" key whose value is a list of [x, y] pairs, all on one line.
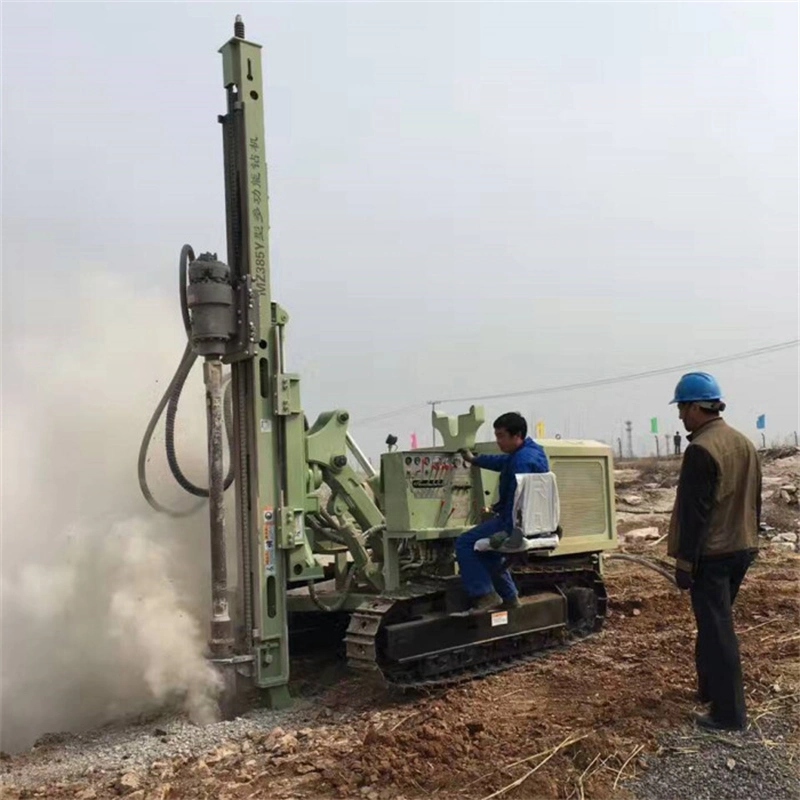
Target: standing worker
{"points": [[713, 537], [676, 440], [486, 579]]}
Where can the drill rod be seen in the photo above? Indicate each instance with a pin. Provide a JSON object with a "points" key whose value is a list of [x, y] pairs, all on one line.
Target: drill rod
{"points": [[221, 629]]}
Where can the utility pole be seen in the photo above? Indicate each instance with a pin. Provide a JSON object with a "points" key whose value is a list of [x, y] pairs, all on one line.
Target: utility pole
{"points": [[629, 432], [619, 445], [658, 448]]}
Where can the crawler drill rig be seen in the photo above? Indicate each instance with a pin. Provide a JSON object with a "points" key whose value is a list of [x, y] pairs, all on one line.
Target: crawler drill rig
{"points": [[321, 547]]}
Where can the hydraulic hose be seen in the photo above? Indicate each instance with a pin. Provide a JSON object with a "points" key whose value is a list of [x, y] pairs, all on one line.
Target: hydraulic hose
{"points": [[337, 606], [643, 562], [170, 399]]}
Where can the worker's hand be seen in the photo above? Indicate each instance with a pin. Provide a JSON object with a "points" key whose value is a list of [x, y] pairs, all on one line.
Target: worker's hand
{"points": [[467, 455], [683, 579], [496, 540]]}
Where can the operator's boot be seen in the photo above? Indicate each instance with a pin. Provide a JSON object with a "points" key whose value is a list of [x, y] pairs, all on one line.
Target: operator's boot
{"points": [[514, 602], [515, 543], [487, 602]]}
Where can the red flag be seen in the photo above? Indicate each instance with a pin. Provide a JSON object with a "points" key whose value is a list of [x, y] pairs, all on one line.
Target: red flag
{"points": [[413, 441]]}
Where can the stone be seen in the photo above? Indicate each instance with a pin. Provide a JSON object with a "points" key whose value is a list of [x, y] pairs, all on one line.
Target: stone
{"points": [[642, 534], [202, 768], [632, 500], [286, 744], [786, 537], [730, 763], [87, 794], [129, 782], [224, 751], [787, 546]]}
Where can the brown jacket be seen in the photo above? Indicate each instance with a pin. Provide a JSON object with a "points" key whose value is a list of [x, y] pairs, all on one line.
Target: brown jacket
{"points": [[718, 506]]}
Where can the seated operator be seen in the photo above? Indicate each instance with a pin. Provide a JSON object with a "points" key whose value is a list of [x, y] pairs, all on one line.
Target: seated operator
{"points": [[486, 578]]}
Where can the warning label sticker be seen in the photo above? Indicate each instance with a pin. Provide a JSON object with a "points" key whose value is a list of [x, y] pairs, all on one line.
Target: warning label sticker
{"points": [[500, 618]]}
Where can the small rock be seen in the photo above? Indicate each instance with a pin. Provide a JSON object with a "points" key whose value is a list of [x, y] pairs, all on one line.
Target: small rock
{"points": [[221, 753], [789, 488], [202, 768], [788, 498], [286, 744], [87, 794], [642, 534], [139, 795], [632, 500], [159, 732], [129, 782], [636, 612], [730, 763], [304, 733], [788, 546], [785, 537]]}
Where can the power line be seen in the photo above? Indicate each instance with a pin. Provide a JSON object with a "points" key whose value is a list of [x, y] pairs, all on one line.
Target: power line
{"points": [[387, 414], [773, 348]]}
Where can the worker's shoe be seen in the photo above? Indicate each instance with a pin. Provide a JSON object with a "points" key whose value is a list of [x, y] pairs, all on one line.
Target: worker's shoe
{"points": [[709, 723], [486, 602], [514, 602], [515, 543]]}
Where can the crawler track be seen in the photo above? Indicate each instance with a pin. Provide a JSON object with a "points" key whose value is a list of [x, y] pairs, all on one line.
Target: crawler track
{"points": [[574, 585]]}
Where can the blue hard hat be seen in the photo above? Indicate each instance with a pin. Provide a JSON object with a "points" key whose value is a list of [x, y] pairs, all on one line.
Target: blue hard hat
{"points": [[695, 387]]}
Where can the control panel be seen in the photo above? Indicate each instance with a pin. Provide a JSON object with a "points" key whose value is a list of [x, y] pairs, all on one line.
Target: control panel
{"points": [[427, 490], [432, 474]]}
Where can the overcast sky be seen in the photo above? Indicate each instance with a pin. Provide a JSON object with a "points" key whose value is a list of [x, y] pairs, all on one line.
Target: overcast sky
{"points": [[465, 198]]}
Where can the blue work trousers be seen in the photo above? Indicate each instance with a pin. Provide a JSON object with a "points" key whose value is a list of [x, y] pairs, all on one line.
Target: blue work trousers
{"points": [[481, 572]]}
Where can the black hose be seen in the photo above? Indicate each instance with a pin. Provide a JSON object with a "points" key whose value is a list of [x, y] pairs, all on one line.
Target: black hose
{"points": [[643, 562], [169, 437], [336, 606], [171, 399]]}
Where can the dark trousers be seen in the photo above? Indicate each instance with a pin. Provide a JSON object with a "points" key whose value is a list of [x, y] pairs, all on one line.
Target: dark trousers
{"points": [[719, 668]]}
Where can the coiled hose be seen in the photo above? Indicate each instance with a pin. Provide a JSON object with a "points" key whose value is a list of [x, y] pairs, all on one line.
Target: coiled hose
{"points": [[170, 399]]}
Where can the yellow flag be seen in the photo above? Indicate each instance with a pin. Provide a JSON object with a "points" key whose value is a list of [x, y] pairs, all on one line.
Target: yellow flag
{"points": [[540, 430]]}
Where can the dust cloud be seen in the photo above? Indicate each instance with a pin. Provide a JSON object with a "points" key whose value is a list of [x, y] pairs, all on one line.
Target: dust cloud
{"points": [[104, 602]]}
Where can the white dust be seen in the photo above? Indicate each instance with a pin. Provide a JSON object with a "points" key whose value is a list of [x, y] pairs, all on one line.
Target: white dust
{"points": [[104, 602]]}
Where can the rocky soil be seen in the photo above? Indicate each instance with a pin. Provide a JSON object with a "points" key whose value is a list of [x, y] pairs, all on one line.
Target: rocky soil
{"points": [[607, 718]]}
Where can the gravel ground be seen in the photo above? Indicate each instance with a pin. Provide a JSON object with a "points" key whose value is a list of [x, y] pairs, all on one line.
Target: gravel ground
{"points": [[754, 765], [122, 747]]}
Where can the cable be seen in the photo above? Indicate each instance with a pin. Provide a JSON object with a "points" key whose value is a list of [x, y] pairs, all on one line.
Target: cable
{"points": [[387, 414], [640, 560], [773, 348]]}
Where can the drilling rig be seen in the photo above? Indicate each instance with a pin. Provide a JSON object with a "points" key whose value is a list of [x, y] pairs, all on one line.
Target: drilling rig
{"points": [[325, 544]]}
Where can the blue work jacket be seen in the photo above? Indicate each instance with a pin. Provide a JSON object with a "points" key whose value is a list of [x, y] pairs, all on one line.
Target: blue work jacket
{"points": [[529, 458]]}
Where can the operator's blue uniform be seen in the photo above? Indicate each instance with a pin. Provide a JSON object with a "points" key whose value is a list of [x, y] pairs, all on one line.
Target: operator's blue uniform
{"points": [[482, 571]]}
